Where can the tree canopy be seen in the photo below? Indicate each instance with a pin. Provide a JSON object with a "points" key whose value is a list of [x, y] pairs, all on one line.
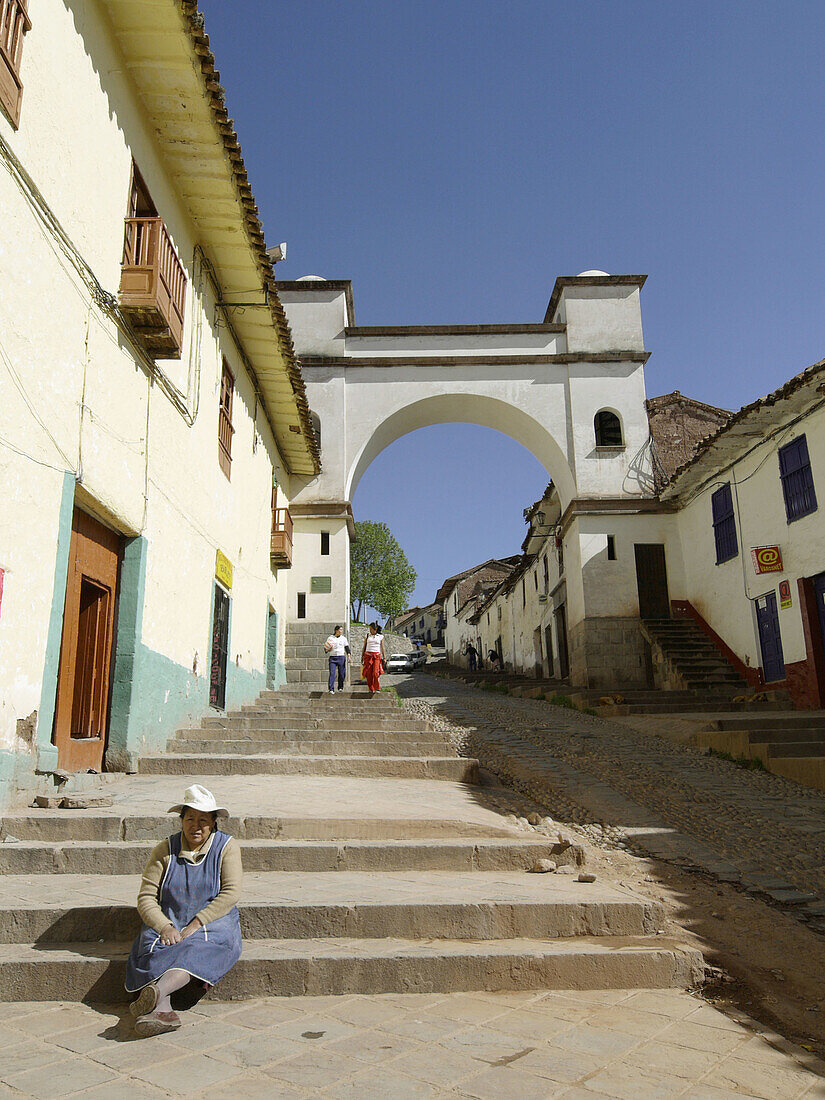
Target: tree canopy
{"points": [[380, 575]]}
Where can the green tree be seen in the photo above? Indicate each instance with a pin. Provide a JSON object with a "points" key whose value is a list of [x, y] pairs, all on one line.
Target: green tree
{"points": [[380, 575]]}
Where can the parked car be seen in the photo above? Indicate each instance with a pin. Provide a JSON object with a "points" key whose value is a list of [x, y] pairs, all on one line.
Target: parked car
{"points": [[400, 662], [419, 656]]}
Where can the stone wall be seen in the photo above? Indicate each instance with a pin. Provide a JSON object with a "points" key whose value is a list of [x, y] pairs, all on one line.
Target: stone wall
{"points": [[677, 424], [608, 653]]}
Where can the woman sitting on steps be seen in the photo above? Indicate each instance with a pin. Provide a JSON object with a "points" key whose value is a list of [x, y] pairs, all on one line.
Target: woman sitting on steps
{"points": [[191, 933]]}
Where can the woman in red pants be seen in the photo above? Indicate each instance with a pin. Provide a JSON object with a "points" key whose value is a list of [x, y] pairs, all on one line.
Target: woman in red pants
{"points": [[373, 657]]}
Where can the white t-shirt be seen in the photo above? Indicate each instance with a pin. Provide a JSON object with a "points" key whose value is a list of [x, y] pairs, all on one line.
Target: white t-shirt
{"points": [[374, 643], [338, 645]]}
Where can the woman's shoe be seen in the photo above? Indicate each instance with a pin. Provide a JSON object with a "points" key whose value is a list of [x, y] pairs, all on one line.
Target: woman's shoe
{"points": [[145, 1001], [156, 1023]]}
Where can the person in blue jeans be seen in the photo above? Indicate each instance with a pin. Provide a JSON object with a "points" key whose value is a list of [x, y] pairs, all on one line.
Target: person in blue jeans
{"points": [[337, 648]]}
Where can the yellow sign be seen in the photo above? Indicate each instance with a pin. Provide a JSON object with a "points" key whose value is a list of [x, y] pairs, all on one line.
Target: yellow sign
{"points": [[223, 569]]}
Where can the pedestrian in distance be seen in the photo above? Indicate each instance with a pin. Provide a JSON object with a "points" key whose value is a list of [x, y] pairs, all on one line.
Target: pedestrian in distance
{"points": [[472, 655], [337, 647], [191, 933], [373, 658], [495, 661]]}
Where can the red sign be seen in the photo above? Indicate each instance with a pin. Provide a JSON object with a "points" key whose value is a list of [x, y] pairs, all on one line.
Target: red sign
{"points": [[767, 559], [785, 599]]}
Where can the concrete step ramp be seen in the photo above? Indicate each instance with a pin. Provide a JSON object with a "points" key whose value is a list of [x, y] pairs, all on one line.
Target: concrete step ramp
{"points": [[454, 769], [290, 746], [435, 853], [305, 905], [95, 972]]}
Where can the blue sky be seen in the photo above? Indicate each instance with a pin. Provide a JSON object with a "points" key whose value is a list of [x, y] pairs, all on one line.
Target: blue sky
{"points": [[453, 158]]}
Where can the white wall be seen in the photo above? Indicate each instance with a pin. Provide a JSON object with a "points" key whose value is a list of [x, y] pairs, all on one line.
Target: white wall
{"points": [[91, 407]]}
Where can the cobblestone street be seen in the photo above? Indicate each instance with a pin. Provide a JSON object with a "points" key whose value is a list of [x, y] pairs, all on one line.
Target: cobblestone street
{"points": [[671, 800], [737, 857]]}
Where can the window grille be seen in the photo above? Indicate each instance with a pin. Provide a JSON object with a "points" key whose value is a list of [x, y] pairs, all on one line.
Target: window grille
{"points": [[608, 429], [797, 479], [724, 525]]}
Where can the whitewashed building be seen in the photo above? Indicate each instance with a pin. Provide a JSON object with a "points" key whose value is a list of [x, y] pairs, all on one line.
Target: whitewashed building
{"points": [[153, 420], [751, 524]]}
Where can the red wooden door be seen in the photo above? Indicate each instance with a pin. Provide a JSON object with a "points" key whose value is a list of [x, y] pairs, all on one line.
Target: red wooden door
{"points": [[81, 710]]}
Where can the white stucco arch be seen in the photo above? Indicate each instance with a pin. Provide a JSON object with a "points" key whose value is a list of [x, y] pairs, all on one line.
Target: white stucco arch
{"points": [[466, 408], [539, 383]]}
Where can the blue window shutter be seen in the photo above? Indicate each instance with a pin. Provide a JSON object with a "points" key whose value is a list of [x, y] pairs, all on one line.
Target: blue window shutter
{"points": [[797, 479]]}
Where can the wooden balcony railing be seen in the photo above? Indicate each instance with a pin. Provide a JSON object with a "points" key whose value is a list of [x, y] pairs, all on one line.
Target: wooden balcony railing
{"points": [[14, 23], [153, 287], [280, 549]]}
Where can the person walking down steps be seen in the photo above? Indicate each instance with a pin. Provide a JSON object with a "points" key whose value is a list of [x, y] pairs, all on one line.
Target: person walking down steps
{"points": [[191, 933], [373, 658], [337, 647]]}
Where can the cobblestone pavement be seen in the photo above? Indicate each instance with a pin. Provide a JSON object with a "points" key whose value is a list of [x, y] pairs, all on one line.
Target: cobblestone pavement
{"points": [[754, 829], [488, 1046]]}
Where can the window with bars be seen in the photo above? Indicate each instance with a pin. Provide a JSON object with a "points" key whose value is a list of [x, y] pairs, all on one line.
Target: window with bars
{"points": [[724, 525], [225, 429], [608, 429], [797, 479]]}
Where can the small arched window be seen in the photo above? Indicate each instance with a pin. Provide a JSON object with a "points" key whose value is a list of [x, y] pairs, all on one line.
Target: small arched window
{"points": [[608, 429], [316, 427]]}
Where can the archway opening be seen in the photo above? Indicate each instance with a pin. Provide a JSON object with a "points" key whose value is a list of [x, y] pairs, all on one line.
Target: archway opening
{"points": [[453, 495]]}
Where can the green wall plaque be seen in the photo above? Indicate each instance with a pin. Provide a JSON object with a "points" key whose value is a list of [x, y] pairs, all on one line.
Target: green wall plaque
{"points": [[320, 584]]}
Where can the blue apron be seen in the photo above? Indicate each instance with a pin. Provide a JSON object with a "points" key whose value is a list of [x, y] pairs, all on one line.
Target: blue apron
{"points": [[187, 888]]}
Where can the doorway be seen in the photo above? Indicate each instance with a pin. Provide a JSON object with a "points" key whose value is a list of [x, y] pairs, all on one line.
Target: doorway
{"points": [[560, 615], [548, 649], [81, 716], [539, 670], [770, 639], [651, 580], [220, 649]]}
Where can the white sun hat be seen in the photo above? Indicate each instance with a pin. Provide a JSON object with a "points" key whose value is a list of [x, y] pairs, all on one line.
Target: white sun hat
{"points": [[197, 797]]}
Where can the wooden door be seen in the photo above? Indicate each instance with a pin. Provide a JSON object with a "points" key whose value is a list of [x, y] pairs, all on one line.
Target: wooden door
{"points": [[82, 706], [770, 639], [651, 581], [220, 649]]}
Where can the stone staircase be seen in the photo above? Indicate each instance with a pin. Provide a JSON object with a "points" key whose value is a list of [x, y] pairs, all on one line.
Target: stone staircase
{"points": [[791, 744], [361, 874], [684, 658]]}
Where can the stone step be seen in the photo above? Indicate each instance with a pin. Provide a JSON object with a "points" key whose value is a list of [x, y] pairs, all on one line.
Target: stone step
{"points": [[285, 734], [95, 972], [784, 721], [795, 749], [318, 663], [435, 853], [328, 747], [60, 826], [191, 765], [796, 734], [369, 722], [366, 905], [698, 707]]}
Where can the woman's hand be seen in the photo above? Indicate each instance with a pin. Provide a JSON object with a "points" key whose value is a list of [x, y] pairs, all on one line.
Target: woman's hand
{"points": [[191, 927], [170, 935]]}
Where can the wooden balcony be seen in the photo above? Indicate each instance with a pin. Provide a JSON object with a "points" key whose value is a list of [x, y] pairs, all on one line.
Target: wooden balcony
{"points": [[153, 287], [14, 24], [280, 547]]}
